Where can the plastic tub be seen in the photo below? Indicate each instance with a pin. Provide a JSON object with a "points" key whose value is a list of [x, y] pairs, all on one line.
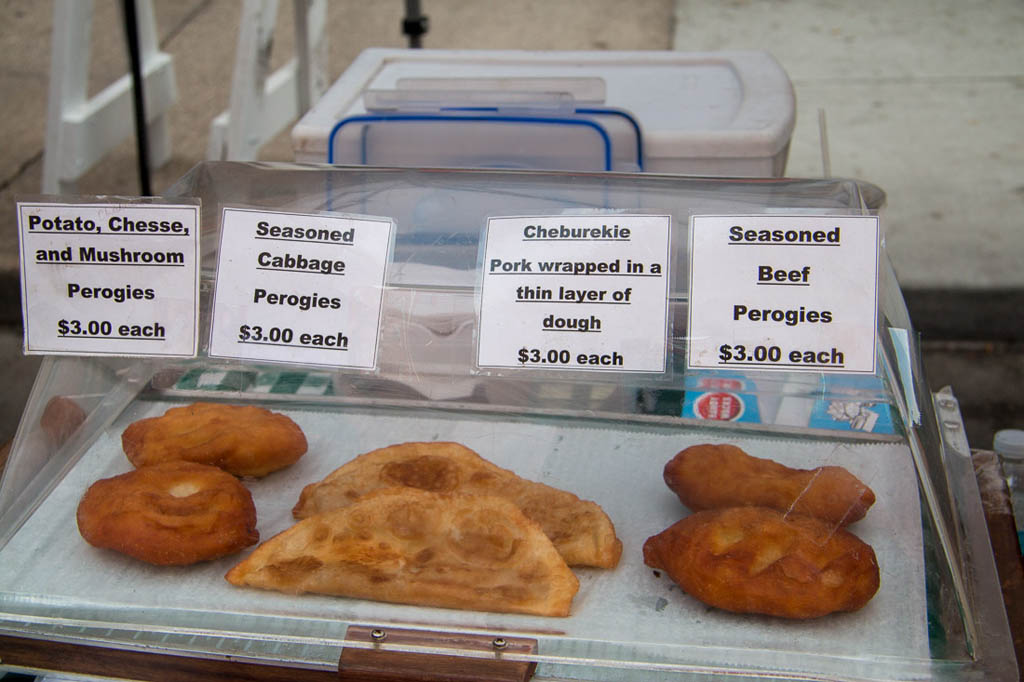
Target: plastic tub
{"points": [[711, 113]]}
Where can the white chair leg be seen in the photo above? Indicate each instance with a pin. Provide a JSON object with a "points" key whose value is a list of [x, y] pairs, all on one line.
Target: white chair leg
{"points": [[80, 130], [69, 66], [311, 51], [263, 103]]}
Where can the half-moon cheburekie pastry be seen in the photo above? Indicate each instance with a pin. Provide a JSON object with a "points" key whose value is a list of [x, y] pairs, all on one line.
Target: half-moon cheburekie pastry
{"points": [[582, 532], [244, 440], [411, 546], [719, 476], [169, 514], [759, 560]]}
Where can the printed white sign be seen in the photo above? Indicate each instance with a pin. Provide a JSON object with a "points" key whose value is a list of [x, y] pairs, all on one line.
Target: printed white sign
{"points": [[580, 292], [300, 288], [774, 292], [109, 279]]}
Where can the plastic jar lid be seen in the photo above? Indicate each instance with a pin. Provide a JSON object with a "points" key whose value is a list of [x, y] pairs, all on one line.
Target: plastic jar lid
{"points": [[1009, 443]]}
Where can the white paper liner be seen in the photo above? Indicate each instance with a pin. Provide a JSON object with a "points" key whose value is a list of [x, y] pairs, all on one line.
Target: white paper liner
{"points": [[618, 466]]}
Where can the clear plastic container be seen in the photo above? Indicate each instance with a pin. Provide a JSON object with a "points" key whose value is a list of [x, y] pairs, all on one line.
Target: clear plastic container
{"points": [[938, 613], [486, 129], [728, 113], [1009, 445]]}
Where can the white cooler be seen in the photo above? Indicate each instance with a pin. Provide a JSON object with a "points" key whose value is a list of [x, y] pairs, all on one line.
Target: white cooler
{"points": [[710, 113]]}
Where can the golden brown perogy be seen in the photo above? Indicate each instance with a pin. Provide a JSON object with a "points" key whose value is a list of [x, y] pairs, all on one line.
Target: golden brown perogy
{"points": [[243, 440], [410, 546], [759, 560], [719, 476], [169, 514], [582, 532]]}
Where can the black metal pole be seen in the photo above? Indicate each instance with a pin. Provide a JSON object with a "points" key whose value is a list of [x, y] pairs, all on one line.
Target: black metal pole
{"points": [[131, 30], [415, 23]]}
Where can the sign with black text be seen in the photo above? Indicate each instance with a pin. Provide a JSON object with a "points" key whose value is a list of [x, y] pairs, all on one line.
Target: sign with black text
{"points": [[300, 288], [575, 292], [776, 292], [109, 279]]}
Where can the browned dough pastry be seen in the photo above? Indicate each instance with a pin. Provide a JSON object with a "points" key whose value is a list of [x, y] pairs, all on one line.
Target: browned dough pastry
{"points": [[61, 418], [582, 532], [718, 476], [411, 546], [757, 560], [244, 440], [170, 514]]}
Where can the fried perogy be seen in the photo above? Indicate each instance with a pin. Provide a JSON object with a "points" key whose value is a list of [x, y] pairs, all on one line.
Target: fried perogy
{"points": [[758, 560], [169, 514], [244, 440], [61, 417], [719, 476], [416, 547], [582, 532]]}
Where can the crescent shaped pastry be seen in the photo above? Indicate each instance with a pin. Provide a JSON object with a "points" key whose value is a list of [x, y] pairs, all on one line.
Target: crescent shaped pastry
{"points": [[411, 546], [582, 532]]}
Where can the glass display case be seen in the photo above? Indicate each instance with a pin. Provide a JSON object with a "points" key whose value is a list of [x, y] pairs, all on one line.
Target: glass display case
{"points": [[603, 436]]}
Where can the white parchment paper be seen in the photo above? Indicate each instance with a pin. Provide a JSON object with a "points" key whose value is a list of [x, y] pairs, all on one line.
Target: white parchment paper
{"points": [[618, 466]]}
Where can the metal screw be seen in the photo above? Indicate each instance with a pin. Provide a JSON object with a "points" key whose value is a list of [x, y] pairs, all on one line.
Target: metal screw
{"points": [[947, 403], [378, 635], [499, 643], [951, 425]]}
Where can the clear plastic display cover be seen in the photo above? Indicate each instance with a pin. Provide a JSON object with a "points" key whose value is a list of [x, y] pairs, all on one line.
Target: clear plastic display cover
{"points": [[604, 437]]}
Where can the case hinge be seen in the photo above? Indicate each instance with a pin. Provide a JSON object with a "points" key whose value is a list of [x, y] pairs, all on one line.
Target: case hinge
{"points": [[390, 655]]}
